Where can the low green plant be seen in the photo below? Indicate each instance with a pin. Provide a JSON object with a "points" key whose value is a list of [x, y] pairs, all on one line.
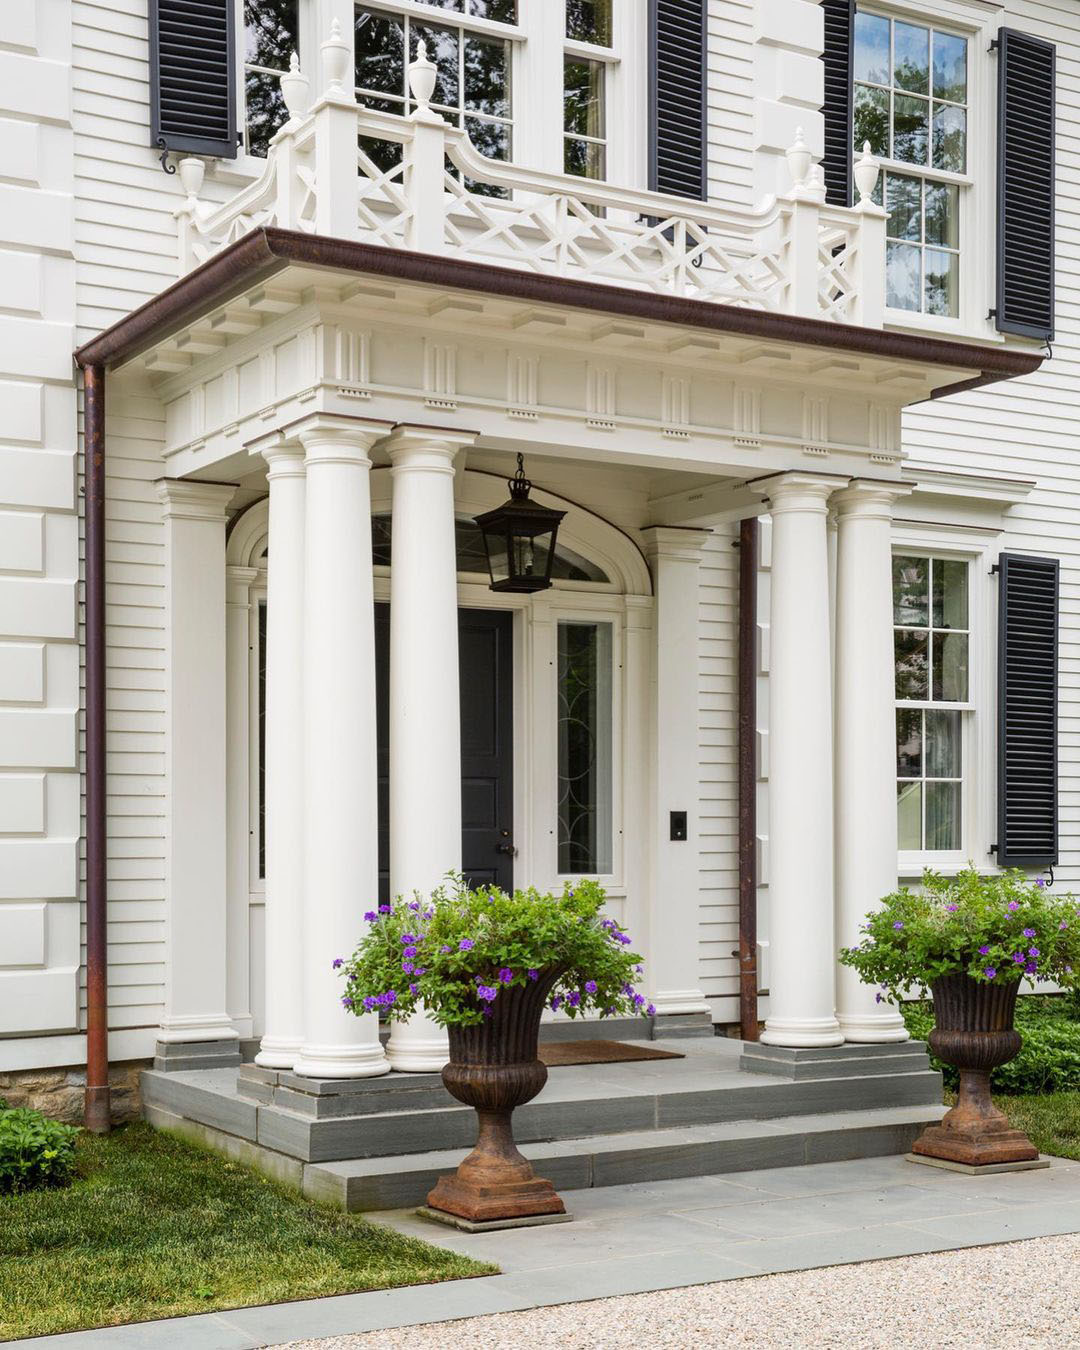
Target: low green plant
{"points": [[997, 929], [1049, 1059], [455, 950], [35, 1152]]}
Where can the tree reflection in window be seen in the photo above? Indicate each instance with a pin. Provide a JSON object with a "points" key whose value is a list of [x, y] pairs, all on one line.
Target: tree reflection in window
{"points": [[584, 739], [271, 35]]}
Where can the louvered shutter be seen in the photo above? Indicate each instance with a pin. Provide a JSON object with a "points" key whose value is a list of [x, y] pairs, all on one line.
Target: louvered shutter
{"points": [[678, 55], [1027, 711], [1026, 155], [836, 55], [192, 76]]}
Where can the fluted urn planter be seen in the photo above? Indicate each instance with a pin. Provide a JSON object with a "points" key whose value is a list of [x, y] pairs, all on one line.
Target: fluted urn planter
{"points": [[494, 1068], [974, 1032]]}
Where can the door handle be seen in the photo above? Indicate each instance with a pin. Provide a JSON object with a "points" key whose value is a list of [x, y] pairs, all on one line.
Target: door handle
{"points": [[506, 846]]}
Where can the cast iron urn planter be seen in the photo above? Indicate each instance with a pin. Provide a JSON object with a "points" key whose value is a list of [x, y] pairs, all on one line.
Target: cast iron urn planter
{"points": [[974, 1032], [493, 1067]]}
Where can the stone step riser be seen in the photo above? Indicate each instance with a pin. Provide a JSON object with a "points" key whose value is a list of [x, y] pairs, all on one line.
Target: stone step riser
{"points": [[806, 1071], [394, 1132], [580, 1169]]}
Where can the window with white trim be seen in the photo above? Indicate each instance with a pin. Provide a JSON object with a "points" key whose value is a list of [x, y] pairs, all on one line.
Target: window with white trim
{"points": [[588, 25], [931, 631], [271, 35], [912, 106]]}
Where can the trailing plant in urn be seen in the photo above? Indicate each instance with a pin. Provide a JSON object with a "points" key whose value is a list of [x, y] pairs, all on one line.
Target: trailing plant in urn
{"points": [[971, 940], [485, 965]]}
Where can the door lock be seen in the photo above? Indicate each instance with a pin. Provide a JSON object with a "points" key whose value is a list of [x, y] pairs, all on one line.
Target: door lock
{"points": [[506, 846]]}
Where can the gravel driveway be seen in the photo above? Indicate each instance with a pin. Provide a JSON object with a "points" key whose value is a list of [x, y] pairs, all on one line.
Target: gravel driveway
{"points": [[981, 1298]]}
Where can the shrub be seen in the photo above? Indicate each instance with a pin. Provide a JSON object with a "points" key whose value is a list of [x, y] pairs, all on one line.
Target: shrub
{"points": [[34, 1152], [455, 950], [1049, 1060], [995, 929]]}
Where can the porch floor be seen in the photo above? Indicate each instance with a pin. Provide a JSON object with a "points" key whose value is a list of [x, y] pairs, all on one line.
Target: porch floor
{"points": [[380, 1143]]}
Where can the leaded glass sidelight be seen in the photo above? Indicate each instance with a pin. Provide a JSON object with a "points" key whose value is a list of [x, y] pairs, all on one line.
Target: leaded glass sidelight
{"points": [[584, 735]]}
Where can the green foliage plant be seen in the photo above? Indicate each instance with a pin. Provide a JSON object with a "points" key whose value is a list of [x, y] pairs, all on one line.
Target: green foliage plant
{"points": [[998, 929], [35, 1152], [456, 950]]}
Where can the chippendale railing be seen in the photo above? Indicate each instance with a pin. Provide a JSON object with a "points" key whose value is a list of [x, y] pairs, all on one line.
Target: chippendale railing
{"points": [[792, 255]]}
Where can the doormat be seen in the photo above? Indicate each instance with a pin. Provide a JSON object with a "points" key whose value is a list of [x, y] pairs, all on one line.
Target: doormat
{"points": [[560, 1054]]}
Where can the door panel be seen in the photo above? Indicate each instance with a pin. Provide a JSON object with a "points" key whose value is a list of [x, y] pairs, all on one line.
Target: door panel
{"points": [[485, 645]]}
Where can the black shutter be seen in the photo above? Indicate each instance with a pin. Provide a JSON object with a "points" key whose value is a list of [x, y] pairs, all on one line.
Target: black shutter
{"points": [[836, 56], [678, 55], [192, 78], [1027, 711], [1026, 153]]}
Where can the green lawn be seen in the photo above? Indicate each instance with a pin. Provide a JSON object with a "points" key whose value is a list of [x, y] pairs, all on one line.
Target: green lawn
{"points": [[155, 1227], [1051, 1121]]}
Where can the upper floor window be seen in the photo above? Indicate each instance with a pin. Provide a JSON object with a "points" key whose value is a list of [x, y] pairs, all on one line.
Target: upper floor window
{"points": [[588, 24], [474, 64], [911, 104], [931, 636], [271, 35]]}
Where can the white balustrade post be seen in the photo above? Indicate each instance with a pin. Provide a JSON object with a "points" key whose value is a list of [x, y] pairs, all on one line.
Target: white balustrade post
{"points": [[801, 922], [425, 163], [868, 273], [191, 172], [341, 856], [336, 129], [803, 261], [288, 190], [284, 756], [425, 707], [674, 938], [865, 741]]}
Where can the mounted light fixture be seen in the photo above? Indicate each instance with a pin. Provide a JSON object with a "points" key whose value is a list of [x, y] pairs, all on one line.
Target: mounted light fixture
{"points": [[519, 539]]}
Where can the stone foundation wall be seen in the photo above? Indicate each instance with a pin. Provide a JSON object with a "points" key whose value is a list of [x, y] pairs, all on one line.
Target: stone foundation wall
{"points": [[58, 1093]]}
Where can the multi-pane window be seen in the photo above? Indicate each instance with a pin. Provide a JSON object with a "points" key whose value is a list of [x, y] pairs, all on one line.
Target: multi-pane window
{"points": [[473, 81], [585, 89], [911, 97], [931, 639], [584, 748], [271, 35]]}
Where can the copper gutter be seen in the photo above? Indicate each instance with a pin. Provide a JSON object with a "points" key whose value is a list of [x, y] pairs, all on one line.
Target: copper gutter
{"points": [[96, 1105], [747, 661], [262, 253]]}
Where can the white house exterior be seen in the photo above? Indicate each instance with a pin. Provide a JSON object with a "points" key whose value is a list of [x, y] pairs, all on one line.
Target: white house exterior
{"points": [[356, 349]]}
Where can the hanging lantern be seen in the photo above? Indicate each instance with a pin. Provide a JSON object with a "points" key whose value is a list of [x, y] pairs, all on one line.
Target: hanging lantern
{"points": [[519, 539]]}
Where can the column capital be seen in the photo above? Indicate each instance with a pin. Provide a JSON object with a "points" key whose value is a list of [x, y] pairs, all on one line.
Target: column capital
{"points": [[408, 436], [869, 498], [794, 491], [238, 584], [327, 438], [673, 542], [284, 458], [187, 499]]}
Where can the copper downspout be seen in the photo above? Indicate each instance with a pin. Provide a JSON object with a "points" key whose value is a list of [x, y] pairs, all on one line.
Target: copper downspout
{"points": [[748, 974], [96, 1113]]}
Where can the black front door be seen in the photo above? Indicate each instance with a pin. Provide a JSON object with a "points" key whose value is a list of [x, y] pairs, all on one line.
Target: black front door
{"points": [[485, 646]]}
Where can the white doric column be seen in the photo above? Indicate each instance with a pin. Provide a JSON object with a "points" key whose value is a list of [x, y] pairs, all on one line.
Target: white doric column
{"points": [[801, 927], [865, 741], [195, 886], [674, 910], [284, 760], [341, 863], [425, 706]]}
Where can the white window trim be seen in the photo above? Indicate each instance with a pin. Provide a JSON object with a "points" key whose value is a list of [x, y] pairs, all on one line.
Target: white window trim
{"points": [[979, 751], [977, 20]]}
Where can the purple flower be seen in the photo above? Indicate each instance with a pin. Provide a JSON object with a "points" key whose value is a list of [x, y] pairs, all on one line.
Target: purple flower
{"points": [[898, 924], [371, 1002], [1018, 957], [420, 970], [389, 997], [506, 975], [414, 905], [1033, 951], [371, 916], [1012, 906], [407, 967], [556, 1002], [590, 986], [414, 989], [952, 908], [487, 993], [573, 999], [989, 972], [638, 1000], [984, 951], [465, 945], [532, 974], [650, 1011], [346, 1001], [410, 951], [446, 949], [878, 998], [1029, 932], [408, 939], [338, 962], [1040, 881], [384, 909]]}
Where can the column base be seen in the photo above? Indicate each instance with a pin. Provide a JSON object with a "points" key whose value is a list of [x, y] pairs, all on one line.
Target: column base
{"points": [[870, 1029], [667, 1001], [181, 1030], [802, 1032], [341, 1061], [278, 1052]]}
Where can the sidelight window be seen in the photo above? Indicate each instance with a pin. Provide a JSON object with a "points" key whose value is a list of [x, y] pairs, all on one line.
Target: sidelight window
{"points": [[585, 802]]}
